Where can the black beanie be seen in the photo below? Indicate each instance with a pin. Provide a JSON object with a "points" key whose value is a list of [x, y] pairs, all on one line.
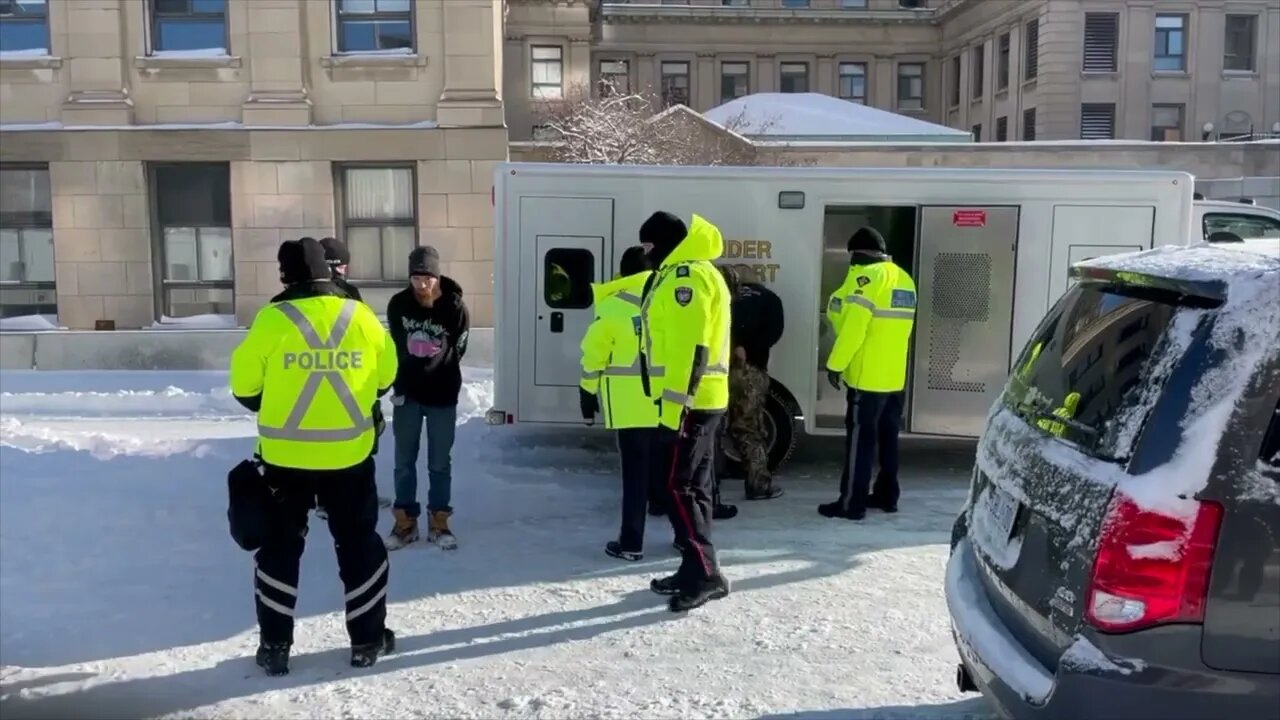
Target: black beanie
{"points": [[664, 231], [424, 260], [867, 239], [335, 252], [302, 261], [634, 260]]}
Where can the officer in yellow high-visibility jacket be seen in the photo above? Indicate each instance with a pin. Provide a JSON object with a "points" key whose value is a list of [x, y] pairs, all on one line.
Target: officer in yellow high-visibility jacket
{"points": [[873, 312], [611, 386], [312, 365], [685, 336]]}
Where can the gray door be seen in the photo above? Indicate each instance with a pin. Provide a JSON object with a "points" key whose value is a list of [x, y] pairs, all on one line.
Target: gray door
{"points": [[964, 319]]}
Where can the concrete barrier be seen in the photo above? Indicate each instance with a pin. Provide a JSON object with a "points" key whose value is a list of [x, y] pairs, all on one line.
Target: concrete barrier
{"points": [[152, 349]]}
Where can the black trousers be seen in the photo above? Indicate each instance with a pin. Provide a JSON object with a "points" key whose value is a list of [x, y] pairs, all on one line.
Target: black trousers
{"points": [[689, 473], [872, 422], [351, 499], [636, 449]]}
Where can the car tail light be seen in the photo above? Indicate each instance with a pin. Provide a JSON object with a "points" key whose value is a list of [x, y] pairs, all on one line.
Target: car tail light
{"points": [[1151, 568]]}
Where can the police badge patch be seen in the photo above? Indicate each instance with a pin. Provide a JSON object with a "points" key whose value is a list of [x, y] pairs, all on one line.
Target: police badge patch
{"points": [[684, 295], [863, 280]]}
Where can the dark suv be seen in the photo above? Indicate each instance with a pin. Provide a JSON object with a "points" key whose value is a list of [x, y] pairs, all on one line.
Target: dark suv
{"points": [[1119, 553]]}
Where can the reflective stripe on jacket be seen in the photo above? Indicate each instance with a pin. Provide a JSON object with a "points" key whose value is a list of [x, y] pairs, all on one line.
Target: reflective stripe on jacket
{"points": [[685, 326], [319, 364], [611, 355], [873, 312]]}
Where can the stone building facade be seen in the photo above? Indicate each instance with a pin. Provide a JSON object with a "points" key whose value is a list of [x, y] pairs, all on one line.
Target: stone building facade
{"points": [[153, 154]]}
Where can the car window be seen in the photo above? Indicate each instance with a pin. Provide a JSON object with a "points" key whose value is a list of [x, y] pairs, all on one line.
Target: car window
{"points": [[1269, 457], [1242, 225], [1092, 369]]}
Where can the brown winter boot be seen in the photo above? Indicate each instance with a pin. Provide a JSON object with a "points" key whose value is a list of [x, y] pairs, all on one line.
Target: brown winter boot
{"points": [[438, 531], [405, 530]]}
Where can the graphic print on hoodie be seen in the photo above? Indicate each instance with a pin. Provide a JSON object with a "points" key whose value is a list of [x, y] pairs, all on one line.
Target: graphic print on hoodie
{"points": [[430, 343]]}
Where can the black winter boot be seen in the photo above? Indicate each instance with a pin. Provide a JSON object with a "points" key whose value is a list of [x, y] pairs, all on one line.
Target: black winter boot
{"points": [[273, 658], [715, 587], [363, 656]]}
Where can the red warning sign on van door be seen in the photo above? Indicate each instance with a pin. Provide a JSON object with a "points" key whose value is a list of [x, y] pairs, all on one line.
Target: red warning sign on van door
{"points": [[969, 218]]}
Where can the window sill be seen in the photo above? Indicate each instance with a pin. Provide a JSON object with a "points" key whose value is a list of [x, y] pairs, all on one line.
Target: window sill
{"points": [[1002, 94], [178, 61], [1099, 74], [916, 111], [1239, 74], [29, 62], [374, 60], [1030, 84], [1171, 74]]}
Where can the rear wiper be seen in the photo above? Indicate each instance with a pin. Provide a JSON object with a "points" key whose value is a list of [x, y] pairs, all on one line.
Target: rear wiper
{"points": [[1036, 414]]}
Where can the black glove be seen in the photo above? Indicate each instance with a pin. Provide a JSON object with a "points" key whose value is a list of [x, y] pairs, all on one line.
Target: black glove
{"points": [[379, 419], [589, 404], [834, 378]]}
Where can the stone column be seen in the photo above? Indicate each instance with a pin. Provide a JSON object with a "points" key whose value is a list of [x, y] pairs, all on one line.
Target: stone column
{"points": [[767, 81], [578, 62], [95, 65], [706, 88], [825, 81], [647, 73], [276, 32], [472, 64]]}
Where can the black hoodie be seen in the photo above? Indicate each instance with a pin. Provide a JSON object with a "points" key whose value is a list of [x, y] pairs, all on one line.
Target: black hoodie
{"points": [[430, 343]]}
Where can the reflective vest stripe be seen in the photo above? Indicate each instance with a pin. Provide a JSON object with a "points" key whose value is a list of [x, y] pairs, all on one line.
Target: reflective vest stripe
{"points": [[628, 297], [293, 430], [880, 312]]}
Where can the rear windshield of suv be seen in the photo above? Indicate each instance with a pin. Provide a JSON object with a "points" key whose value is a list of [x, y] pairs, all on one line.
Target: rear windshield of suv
{"points": [[1094, 366]]}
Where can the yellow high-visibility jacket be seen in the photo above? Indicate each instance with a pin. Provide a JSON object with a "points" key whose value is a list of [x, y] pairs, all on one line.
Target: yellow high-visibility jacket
{"points": [[318, 364], [685, 327], [873, 312], [611, 354]]}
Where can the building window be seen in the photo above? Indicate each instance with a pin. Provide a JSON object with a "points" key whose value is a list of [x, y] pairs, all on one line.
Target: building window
{"points": [[979, 72], [548, 72], [24, 26], [910, 86], [379, 221], [955, 81], [795, 3], [374, 25], [675, 83], [1167, 122], [853, 82], [733, 3], [1241, 43], [1098, 121], [1002, 128], [1031, 50], [1002, 63], [615, 77], [852, 4], [1101, 42], [977, 132], [1029, 124], [735, 80], [1171, 51], [795, 77], [26, 243], [188, 25], [193, 238], [910, 4], [567, 275], [544, 133]]}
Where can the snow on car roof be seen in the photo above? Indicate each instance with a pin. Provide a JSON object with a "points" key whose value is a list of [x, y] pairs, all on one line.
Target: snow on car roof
{"points": [[1198, 263]]}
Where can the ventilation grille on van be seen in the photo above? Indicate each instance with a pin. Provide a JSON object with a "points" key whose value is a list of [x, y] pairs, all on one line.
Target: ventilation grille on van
{"points": [[961, 295]]}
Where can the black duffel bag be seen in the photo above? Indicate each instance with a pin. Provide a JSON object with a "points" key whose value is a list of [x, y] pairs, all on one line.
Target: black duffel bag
{"points": [[248, 502]]}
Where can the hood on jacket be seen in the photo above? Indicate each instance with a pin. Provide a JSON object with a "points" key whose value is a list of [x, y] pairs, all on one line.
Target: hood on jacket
{"points": [[703, 242], [633, 284]]}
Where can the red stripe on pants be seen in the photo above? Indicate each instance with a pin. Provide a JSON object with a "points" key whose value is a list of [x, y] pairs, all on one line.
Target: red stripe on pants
{"points": [[681, 511]]}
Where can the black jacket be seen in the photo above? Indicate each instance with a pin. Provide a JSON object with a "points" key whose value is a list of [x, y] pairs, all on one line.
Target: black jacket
{"points": [[346, 289], [430, 343], [757, 317]]}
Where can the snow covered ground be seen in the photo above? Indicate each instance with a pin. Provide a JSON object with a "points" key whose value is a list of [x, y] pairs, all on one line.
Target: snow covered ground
{"points": [[122, 595]]}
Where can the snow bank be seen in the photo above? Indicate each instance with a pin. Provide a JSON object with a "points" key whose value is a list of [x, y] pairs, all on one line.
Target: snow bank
{"points": [[29, 323], [34, 439], [171, 401], [196, 322]]}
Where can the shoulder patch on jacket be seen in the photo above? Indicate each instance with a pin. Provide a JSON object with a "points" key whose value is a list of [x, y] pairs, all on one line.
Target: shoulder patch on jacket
{"points": [[682, 271], [684, 295], [863, 280], [834, 305], [902, 299]]}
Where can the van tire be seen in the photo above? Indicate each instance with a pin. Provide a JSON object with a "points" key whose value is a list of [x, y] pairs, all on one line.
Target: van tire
{"points": [[778, 408]]}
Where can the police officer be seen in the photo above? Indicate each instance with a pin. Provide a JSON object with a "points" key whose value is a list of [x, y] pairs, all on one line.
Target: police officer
{"points": [[611, 387], [311, 366], [685, 336], [873, 312], [339, 257]]}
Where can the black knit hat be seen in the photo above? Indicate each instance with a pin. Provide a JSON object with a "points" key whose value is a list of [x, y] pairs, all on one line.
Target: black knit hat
{"points": [[424, 260], [302, 261], [664, 231], [633, 261], [867, 239], [335, 252]]}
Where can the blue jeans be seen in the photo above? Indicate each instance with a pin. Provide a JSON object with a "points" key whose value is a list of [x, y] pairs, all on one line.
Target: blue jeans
{"points": [[406, 427]]}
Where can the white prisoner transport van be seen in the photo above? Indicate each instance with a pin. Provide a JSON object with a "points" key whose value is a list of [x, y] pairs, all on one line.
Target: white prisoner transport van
{"points": [[989, 250]]}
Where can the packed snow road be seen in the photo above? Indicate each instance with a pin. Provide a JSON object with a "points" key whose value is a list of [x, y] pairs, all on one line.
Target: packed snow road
{"points": [[122, 595]]}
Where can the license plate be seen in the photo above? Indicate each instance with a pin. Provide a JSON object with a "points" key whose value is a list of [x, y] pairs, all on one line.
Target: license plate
{"points": [[1003, 511]]}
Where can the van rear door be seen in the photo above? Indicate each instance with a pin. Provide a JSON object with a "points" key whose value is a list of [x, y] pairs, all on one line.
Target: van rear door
{"points": [[1068, 419]]}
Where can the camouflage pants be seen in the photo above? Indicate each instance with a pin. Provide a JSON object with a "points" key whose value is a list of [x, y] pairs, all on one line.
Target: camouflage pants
{"points": [[748, 388]]}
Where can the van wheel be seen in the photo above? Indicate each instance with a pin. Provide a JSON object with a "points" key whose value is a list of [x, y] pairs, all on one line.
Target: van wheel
{"points": [[780, 434]]}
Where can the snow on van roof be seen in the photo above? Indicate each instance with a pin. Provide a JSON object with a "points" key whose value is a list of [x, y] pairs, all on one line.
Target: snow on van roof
{"points": [[814, 116]]}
